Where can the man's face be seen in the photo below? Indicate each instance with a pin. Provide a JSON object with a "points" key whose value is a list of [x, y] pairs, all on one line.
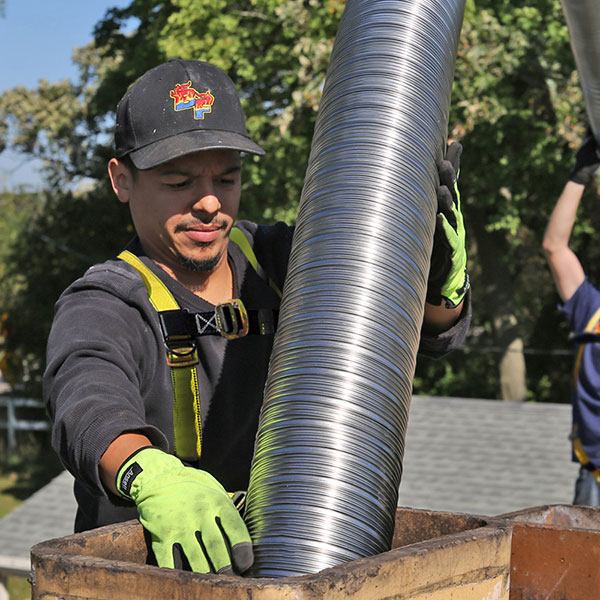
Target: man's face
{"points": [[183, 210]]}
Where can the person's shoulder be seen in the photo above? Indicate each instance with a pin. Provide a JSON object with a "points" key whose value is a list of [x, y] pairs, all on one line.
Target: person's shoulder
{"points": [[272, 246], [114, 276], [589, 287], [586, 292], [256, 232], [269, 240], [582, 305]]}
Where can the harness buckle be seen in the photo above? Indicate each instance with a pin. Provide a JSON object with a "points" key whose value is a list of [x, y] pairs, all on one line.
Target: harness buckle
{"points": [[182, 356], [232, 319], [180, 345]]}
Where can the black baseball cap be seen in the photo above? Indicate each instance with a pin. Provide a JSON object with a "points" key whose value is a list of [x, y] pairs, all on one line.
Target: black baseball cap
{"points": [[177, 108]]}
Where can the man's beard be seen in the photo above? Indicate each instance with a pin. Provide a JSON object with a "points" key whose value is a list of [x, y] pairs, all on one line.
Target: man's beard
{"points": [[199, 266]]}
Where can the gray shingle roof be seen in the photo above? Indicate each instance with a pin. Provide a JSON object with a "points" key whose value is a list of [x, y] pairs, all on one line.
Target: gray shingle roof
{"points": [[462, 455], [486, 457], [46, 514]]}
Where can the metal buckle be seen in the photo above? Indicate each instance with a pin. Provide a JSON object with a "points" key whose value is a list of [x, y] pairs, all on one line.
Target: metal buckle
{"points": [[232, 319], [182, 356]]}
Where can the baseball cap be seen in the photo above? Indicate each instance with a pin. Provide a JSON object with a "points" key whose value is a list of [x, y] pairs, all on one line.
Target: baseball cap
{"points": [[180, 107]]}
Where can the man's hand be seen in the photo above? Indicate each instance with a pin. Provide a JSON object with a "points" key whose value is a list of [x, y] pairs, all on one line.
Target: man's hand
{"points": [[587, 160], [448, 278], [187, 512]]}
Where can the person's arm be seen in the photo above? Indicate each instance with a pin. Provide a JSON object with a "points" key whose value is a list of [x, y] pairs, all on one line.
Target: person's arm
{"points": [[566, 269], [176, 504], [567, 272], [93, 364], [439, 318], [116, 454]]}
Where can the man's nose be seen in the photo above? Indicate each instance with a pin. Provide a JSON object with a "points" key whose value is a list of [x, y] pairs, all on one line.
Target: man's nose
{"points": [[206, 202]]}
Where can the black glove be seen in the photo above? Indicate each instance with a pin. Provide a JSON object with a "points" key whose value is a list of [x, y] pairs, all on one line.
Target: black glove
{"points": [[587, 160], [448, 278]]}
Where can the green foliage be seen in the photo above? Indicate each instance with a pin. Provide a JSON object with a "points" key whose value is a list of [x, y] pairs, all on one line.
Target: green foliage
{"points": [[277, 52], [518, 110], [449, 377], [57, 238], [16, 210], [28, 466]]}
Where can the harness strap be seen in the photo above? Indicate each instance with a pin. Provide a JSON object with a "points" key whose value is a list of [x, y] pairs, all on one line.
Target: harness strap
{"points": [[179, 327], [591, 329], [158, 294], [182, 357], [230, 319]]}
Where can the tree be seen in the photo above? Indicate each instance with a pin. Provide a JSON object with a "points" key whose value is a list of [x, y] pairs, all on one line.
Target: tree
{"points": [[15, 209], [277, 53], [51, 240], [518, 108]]}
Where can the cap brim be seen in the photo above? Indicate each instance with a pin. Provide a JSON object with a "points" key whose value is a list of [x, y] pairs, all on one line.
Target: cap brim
{"points": [[182, 144]]}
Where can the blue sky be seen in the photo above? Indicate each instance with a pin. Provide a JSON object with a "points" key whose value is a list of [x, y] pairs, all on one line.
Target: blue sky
{"points": [[37, 38]]}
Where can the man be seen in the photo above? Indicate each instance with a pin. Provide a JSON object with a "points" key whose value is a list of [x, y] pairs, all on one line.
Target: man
{"points": [[581, 305], [154, 417]]}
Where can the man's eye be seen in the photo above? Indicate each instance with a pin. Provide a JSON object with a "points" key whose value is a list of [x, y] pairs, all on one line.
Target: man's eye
{"points": [[178, 185]]}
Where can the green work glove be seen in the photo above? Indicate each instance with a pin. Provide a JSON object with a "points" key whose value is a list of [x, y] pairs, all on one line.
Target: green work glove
{"points": [[448, 277], [187, 512], [587, 160]]}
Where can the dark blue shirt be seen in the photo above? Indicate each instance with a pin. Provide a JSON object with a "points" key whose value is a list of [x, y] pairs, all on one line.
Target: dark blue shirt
{"points": [[583, 313]]}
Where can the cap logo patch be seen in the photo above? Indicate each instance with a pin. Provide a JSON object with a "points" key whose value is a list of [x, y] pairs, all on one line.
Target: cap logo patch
{"points": [[185, 96]]}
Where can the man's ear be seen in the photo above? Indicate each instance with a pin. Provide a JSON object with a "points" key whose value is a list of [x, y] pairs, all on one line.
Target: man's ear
{"points": [[120, 178]]}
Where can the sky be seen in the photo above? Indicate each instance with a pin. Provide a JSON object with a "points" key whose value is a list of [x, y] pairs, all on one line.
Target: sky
{"points": [[37, 38]]}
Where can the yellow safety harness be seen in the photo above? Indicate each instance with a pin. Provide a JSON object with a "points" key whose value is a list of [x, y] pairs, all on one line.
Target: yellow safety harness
{"points": [[230, 320], [593, 326]]}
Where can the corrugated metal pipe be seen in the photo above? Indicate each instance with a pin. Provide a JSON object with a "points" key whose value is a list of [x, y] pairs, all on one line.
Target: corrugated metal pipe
{"points": [[328, 456], [583, 22]]}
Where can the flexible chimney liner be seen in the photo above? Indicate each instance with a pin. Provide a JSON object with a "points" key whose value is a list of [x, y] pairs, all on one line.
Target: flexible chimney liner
{"points": [[583, 22], [328, 457]]}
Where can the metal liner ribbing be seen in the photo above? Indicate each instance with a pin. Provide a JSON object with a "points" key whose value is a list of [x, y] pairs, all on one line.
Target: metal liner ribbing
{"points": [[583, 22], [328, 456]]}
